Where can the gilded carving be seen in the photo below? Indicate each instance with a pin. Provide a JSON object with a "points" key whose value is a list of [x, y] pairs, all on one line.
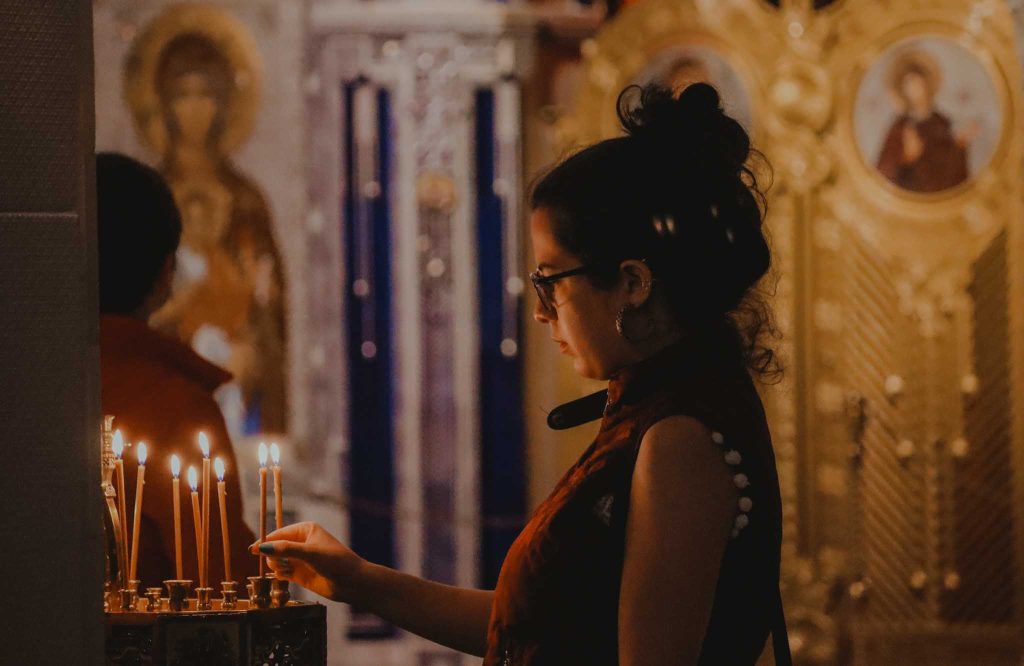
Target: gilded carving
{"points": [[192, 82], [897, 178]]}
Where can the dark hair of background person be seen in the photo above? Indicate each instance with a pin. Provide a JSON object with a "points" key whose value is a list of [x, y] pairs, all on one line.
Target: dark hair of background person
{"points": [[139, 227], [678, 191]]}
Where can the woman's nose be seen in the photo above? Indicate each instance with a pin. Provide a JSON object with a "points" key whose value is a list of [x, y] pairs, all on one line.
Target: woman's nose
{"points": [[539, 314]]}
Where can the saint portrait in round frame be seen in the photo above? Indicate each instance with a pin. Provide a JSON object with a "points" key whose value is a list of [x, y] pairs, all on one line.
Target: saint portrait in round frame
{"points": [[928, 116]]}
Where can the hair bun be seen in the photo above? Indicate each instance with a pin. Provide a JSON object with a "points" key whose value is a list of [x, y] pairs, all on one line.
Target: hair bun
{"points": [[694, 122]]}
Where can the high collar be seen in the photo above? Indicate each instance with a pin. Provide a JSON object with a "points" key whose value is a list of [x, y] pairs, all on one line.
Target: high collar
{"points": [[679, 362], [132, 339], [630, 384]]}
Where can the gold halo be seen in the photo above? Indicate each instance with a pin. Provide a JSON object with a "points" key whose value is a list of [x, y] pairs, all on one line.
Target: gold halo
{"points": [[228, 36], [914, 58]]}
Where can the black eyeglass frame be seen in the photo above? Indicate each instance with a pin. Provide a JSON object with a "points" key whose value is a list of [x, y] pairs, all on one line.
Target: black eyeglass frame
{"points": [[546, 296], [541, 281]]}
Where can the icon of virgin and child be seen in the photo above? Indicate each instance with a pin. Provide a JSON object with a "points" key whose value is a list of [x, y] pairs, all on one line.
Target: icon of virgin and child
{"points": [[192, 82]]}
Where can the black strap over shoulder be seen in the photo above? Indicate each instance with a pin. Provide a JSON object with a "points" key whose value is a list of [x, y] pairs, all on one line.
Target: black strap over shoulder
{"points": [[582, 410]]}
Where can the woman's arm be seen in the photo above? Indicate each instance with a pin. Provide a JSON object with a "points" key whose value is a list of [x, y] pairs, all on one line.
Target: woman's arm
{"points": [[452, 616], [681, 511]]}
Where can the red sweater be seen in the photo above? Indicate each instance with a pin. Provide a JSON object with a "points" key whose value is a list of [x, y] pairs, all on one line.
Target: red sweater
{"points": [[161, 392]]}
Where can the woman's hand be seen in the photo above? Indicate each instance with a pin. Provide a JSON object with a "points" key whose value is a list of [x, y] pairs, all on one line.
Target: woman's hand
{"points": [[308, 555]]}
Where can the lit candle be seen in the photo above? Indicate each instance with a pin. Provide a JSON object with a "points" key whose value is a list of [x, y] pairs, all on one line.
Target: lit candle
{"points": [[140, 481], [275, 456], [193, 481], [263, 497], [176, 497], [218, 465], [204, 444], [118, 447]]}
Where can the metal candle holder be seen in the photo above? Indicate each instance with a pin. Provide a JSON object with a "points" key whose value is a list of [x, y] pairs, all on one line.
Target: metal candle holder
{"points": [[240, 632], [130, 595], [177, 594], [116, 548], [154, 602], [279, 592], [229, 595], [203, 598], [259, 591]]}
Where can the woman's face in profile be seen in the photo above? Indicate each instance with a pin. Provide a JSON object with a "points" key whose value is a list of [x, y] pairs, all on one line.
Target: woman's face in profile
{"points": [[583, 321], [194, 107]]}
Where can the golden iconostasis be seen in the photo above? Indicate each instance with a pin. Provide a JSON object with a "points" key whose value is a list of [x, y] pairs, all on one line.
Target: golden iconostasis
{"points": [[895, 213]]}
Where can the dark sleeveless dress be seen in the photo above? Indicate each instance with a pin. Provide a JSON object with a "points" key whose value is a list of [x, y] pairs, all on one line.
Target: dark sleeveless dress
{"points": [[557, 596]]}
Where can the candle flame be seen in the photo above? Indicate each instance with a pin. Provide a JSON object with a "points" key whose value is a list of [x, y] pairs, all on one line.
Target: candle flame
{"points": [[275, 453], [218, 466], [193, 478], [263, 454], [204, 444], [141, 453], [175, 466], [118, 443]]}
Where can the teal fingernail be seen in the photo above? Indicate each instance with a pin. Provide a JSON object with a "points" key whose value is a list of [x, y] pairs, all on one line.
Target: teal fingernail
{"points": [[267, 548]]}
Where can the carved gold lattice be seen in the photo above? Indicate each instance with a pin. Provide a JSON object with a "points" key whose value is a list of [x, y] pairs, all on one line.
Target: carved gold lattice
{"points": [[899, 428]]}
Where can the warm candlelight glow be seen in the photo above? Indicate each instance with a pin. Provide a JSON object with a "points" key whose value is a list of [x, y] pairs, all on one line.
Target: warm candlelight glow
{"points": [[275, 455], [176, 502], [218, 466], [193, 481], [204, 444], [118, 444], [141, 452], [262, 452]]}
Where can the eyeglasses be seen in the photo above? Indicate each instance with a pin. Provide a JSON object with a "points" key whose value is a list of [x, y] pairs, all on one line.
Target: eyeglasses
{"points": [[545, 285]]}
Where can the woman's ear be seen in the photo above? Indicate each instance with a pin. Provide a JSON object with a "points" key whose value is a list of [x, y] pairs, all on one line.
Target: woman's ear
{"points": [[637, 281]]}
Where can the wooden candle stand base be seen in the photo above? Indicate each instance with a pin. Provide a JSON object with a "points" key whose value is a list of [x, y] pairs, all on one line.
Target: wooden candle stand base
{"points": [[293, 635]]}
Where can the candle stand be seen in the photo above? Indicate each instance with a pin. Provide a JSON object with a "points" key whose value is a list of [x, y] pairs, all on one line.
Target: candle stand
{"points": [[266, 628]]}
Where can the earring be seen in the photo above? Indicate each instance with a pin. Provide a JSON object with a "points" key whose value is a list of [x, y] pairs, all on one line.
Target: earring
{"points": [[633, 335]]}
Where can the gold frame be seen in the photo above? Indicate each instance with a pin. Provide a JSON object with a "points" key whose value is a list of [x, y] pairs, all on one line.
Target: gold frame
{"points": [[229, 36], [914, 205], [803, 69]]}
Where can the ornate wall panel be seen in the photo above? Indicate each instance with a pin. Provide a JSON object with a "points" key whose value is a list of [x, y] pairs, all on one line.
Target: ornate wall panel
{"points": [[983, 476], [435, 65], [895, 216]]}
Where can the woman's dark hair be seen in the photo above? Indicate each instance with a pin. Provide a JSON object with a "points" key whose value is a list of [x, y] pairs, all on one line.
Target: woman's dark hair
{"points": [[138, 226], [676, 191]]}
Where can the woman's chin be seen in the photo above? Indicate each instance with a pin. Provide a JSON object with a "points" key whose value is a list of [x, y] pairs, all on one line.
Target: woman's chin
{"points": [[583, 368]]}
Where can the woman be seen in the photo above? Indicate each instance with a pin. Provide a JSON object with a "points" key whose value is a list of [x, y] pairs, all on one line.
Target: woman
{"points": [[661, 545]]}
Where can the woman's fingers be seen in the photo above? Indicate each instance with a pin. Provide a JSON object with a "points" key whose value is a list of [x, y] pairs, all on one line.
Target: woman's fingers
{"points": [[281, 566], [280, 548], [293, 532]]}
